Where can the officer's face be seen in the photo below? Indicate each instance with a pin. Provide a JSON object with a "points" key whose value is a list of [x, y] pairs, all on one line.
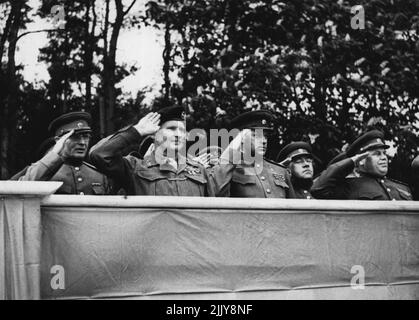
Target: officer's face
{"points": [[302, 167], [171, 136], [76, 145], [258, 142], [376, 163]]}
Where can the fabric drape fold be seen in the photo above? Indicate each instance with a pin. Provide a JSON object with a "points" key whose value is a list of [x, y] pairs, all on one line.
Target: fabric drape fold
{"points": [[20, 242]]}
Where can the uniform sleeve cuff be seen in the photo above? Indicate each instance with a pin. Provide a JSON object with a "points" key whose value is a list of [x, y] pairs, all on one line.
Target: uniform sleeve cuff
{"points": [[133, 135], [52, 160]]}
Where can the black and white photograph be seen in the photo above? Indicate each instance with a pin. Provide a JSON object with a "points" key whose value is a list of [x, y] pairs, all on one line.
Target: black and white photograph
{"points": [[209, 154]]}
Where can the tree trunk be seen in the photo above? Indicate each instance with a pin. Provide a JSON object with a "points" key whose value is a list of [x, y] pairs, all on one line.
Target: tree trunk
{"points": [[320, 106], [10, 106], [110, 89], [4, 36], [105, 76], [89, 47], [110, 65], [344, 113], [166, 58], [66, 85]]}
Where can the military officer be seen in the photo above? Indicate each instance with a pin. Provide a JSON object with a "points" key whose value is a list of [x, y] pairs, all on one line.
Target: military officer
{"points": [[167, 171], [65, 160], [362, 175], [251, 177], [297, 156]]}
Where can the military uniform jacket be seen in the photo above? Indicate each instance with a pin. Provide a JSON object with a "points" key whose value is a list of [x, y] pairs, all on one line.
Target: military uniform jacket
{"points": [[333, 183], [147, 176], [82, 179], [302, 193], [265, 180]]}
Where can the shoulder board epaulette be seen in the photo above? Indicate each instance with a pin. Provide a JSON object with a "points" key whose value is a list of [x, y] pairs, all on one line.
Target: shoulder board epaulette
{"points": [[91, 166], [275, 163]]}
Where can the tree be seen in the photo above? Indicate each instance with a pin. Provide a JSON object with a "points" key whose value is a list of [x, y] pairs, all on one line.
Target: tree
{"points": [[109, 60], [302, 60], [82, 71], [10, 84]]}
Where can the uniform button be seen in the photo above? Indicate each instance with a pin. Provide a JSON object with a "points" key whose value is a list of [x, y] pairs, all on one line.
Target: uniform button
{"points": [[79, 179], [308, 197], [82, 193], [382, 181], [305, 191], [268, 190], [393, 199], [258, 165], [77, 168], [388, 190], [262, 178]]}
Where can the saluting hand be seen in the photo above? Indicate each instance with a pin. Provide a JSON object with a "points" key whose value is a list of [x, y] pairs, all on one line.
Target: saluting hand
{"points": [[59, 145], [359, 157], [232, 152], [203, 159], [149, 124]]}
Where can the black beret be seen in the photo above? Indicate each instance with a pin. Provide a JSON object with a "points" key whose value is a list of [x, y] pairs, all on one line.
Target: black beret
{"points": [[77, 121], [338, 158], [367, 141], [174, 112], [262, 119], [293, 150]]}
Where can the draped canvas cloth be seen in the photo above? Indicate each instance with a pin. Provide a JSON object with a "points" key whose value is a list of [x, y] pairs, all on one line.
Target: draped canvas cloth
{"points": [[110, 252], [20, 237], [20, 241]]}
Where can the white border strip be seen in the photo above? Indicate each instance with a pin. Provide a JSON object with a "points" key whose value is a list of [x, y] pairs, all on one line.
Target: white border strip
{"points": [[28, 188]]}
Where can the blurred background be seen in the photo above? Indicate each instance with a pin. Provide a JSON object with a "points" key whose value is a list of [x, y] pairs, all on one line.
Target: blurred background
{"points": [[326, 81]]}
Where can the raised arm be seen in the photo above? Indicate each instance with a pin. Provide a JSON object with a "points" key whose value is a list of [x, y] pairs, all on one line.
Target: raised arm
{"points": [[44, 169], [107, 154], [221, 174], [326, 186]]}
